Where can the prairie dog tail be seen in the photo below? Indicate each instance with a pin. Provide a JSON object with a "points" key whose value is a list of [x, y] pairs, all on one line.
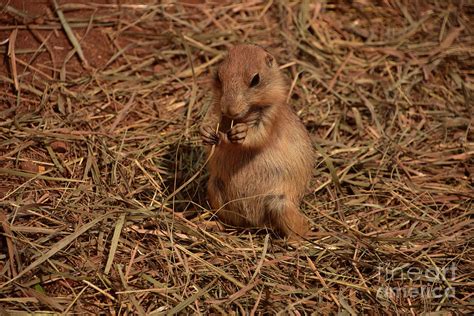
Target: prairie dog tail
{"points": [[285, 217]]}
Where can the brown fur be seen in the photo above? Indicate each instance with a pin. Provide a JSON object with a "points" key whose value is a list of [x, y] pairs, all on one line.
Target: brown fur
{"points": [[262, 163]]}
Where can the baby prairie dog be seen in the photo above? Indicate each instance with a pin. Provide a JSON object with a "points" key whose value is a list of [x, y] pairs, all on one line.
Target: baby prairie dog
{"points": [[263, 155]]}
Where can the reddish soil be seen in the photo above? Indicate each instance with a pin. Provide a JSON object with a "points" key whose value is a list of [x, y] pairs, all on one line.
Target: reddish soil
{"points": [[37, 15]]}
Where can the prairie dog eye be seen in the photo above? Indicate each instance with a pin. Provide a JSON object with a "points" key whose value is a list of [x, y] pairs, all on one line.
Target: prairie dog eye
{"points": [[255, 80]]}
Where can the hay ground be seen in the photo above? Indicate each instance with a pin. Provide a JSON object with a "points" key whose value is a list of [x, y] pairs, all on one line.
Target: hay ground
{"points": [[102, 195]]}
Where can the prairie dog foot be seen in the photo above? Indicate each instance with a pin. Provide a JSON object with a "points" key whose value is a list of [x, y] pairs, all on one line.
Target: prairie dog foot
{"points": [[211, 226], [238, 133], [209, 135]]}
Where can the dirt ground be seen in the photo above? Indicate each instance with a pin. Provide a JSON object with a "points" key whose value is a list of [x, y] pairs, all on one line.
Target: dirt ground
{"points": [[102, 187]]}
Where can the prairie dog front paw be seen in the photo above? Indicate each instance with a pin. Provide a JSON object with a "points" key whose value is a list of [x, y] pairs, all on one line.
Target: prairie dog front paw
{"points": [[209, 135], [238, 133]]}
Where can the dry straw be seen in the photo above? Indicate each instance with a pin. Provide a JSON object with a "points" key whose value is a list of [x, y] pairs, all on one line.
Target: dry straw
{"points": [[102, 186]]}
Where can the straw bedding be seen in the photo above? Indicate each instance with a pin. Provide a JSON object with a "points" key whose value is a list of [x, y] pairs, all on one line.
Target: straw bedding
{"points": [[102, 171]]}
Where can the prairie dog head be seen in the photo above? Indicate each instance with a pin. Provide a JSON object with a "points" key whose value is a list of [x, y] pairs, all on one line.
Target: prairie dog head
{"points": [[248, 81]]}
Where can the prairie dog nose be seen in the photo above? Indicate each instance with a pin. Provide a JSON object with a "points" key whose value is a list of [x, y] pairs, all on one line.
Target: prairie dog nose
{"points": [[233, 111], [234, 105], [232, 114]]}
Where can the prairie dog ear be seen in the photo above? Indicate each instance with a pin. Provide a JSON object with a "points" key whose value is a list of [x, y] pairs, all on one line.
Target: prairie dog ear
{"points": [[269, 59]]}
